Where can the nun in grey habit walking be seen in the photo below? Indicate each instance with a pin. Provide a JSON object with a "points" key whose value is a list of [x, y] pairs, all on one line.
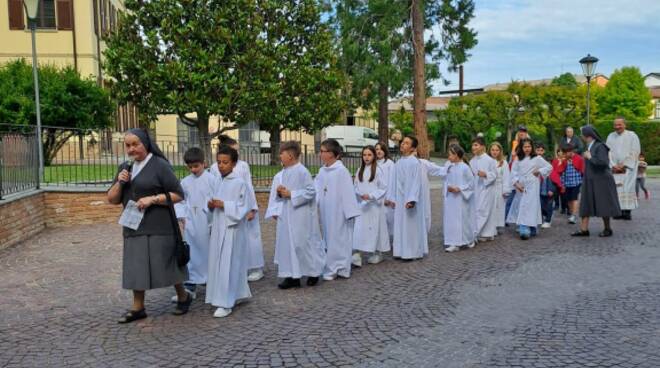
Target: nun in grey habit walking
{"points": [[598, 197], [148, 259]]}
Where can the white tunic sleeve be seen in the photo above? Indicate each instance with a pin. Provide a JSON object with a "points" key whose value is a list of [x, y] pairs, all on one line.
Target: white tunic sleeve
{"points": [[274, 201], [467, 182], [236, 209]]}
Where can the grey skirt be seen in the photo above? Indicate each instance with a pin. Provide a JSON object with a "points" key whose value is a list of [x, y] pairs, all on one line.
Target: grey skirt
{"points": [[149, 263]]}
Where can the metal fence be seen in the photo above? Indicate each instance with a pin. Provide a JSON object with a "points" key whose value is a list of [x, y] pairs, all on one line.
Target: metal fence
{"points": [[90, 158], [19, 161]]}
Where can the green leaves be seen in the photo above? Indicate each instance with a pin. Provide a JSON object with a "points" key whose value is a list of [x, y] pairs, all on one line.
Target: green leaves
{"points": [[625, 95]]}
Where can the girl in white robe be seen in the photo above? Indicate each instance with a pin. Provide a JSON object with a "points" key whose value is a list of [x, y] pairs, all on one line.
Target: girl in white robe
{"points": [[526, 207], [337, 211], [227, 282], [370, 233], [387, 165], [410, 240], [502, 183], [292, 203]]}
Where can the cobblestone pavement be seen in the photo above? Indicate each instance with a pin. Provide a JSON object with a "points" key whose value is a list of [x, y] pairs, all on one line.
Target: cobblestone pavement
{"points": [[552, 301]]}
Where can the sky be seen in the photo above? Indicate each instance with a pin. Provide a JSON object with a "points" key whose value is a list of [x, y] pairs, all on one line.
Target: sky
{"points": [[534, 39]]}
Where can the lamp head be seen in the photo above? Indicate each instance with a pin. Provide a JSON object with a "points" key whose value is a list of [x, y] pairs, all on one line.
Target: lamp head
{"points": [[31, 8], [589, 65]]}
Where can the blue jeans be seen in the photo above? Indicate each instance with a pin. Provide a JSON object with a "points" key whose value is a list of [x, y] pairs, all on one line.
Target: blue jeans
{"points": [[509, 200], [526, 231], [547, 207]]}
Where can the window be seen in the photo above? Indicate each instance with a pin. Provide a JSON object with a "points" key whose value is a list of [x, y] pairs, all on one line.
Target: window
{"points": [[657, 109], [350, 120], [46, 14], [187, 136]]}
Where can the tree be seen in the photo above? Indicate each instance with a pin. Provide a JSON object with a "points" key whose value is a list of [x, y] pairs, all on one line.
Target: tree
{"points": [[565, 80], [67, 101], [299, 81], [451, 18], [193, 58], [625, 95], [375, 48]]}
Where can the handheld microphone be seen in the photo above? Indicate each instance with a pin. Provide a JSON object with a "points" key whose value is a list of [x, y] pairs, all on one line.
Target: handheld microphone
{"points": [[128, 166]]}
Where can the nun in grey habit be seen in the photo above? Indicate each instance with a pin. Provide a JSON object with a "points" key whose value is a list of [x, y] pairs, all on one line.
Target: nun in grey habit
{"points": [[148, 259], [598, 196]]}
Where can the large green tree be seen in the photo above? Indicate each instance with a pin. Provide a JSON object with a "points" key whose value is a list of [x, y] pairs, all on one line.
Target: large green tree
{"points": [[193, 58], [624, 95], [298, 82], [66, 99]]}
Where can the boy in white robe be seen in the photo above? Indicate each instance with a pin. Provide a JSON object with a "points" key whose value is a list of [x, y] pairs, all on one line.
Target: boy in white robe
{"points": [[484, 169], [255, 252], [337, 210], [292, 203], [410, 228], [193, 215], [458, 219], [370, 234], [526, 206], [227, 281]]}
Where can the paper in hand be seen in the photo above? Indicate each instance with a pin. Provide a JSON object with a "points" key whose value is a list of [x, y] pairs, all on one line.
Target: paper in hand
{"points": [[131, 217]]}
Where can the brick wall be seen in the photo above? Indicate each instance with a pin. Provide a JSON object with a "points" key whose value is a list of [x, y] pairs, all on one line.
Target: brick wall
{"points": [[22, 218]]}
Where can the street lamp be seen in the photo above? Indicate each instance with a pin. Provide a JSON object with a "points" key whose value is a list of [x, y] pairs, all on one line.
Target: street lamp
{"points": [[588, 67], [31, 9]]}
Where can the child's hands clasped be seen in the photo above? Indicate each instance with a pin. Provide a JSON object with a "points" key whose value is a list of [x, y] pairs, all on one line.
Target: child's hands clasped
{"points": [[216, 203], [283, 192]]}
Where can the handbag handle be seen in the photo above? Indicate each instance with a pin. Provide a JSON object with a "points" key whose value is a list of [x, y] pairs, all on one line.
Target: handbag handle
{"points": [[175, 223]]}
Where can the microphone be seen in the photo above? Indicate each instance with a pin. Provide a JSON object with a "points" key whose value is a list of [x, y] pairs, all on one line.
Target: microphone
{"points": [[128, 166]]}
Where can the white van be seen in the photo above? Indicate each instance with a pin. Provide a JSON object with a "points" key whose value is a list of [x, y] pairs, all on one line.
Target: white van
{"points": [[353, 138]]}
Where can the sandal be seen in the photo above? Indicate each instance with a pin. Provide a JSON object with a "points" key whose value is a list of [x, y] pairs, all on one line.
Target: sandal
{"points": [[131, 316], [183, 307]]}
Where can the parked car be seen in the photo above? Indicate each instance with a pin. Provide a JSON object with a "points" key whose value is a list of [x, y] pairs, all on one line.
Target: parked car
{"points": [[353, 138]]}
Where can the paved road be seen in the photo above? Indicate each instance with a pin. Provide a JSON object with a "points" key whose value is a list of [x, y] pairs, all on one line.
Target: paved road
{"points": [[552, 301]]}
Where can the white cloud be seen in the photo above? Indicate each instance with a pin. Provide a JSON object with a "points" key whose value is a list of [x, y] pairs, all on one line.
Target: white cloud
{"points": [[510, 20]]}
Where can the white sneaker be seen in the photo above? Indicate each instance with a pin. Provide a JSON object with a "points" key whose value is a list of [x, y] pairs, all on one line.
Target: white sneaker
{"points": [[175, 298], [486, 239], [572, 219], [375, 258], [222, 312], [546, 225], [256, 275], [471, 245], [452, 248], [357, 260], [329, 277]]}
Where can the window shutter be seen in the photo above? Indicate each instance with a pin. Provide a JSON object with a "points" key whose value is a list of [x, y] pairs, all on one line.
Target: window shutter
{"points": [[16, 20], [65, 15]]}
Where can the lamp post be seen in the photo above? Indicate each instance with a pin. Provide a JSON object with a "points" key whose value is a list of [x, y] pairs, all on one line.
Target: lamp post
{"points": [[31, 9], [588, 67]]}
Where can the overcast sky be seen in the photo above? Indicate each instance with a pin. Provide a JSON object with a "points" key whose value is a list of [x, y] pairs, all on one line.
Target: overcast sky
{"points": [[533, 39]]}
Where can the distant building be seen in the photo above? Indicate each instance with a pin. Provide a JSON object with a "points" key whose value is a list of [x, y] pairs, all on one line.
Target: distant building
{"points": [[652, 82], [598, 79]]}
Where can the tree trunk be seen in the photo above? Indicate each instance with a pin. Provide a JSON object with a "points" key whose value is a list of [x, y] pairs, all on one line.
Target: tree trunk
{"points": [[383, 125], [275, 145], [203, 136], [419, 85]]}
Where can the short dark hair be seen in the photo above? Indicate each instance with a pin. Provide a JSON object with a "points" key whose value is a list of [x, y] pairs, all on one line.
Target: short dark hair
{"points": [[332, 146], [539, 145], [479, 140], [413, 139], [567, 147], [292, 147], [193, 156], [231, 152], [227, 140]]}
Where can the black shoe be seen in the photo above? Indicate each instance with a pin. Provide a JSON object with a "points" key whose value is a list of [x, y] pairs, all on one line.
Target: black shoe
{"points": [[627, 217], [312, 281], [605, 233], [131, 316], [289, 283], [621, 217], [183, 307], [581, 233]]}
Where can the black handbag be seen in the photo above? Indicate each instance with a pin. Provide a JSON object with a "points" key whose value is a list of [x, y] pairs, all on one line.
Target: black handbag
{"points": [[182, 249]]}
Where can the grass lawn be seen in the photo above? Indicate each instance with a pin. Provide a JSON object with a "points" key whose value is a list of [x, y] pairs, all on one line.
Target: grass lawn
{"points": [[653, 172]]}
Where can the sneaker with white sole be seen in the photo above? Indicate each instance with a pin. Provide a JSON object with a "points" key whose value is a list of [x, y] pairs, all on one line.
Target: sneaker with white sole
{"points": [[572, 219], [255, 275], [329, 277], [375, 258], [545, 225], [471, 245], [356, 260], [222, 312], [192, 294], [452, 248]]}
